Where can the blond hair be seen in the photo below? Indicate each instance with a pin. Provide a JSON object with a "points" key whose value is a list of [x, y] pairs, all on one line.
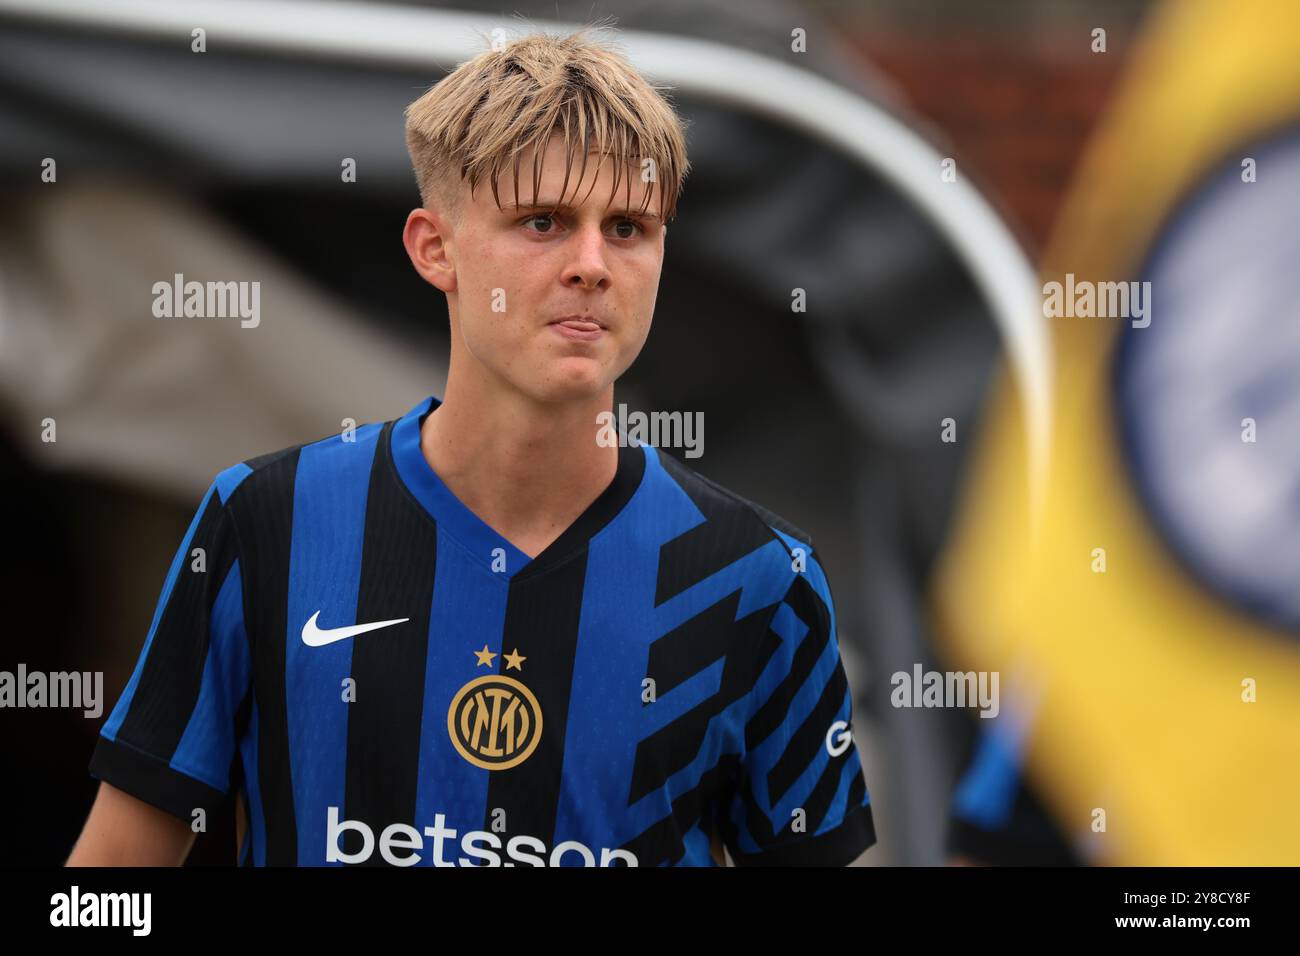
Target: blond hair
{"points": [[492, 108]]}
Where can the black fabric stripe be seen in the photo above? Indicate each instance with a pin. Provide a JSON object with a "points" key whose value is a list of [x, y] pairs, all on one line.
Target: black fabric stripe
{"points": [[627, 478], [262, 506], [728, 533], [398, 563], [771, 518], [809, 738], [857, 790], [771, 715], [243, 714], [663, 842], [172, 676], [692, 646], [769, 839], [678, 655], [756, 821], [153, 780], [261, 461], [818, 802], [541, 621], [838, 847]]}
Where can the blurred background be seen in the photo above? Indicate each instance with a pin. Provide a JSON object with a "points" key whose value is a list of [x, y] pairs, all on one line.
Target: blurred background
{"points": [[1143, 619]]}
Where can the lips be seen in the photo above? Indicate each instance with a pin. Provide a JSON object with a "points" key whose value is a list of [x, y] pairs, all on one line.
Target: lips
{"points": [[580, 323]]}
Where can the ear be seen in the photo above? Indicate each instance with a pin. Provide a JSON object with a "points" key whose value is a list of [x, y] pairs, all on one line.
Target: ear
{"points": [[426, 240]]}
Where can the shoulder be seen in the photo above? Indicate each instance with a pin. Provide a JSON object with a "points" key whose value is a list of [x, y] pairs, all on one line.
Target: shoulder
{"points": [[271, 475], [725, 507], [785, 588]]}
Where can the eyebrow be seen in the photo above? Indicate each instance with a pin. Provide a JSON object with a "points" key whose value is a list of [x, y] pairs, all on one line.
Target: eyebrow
{"points": [[565, 208]]}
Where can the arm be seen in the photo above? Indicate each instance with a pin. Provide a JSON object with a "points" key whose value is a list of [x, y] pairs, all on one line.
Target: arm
{"points": [[168, 748], [799, 762], [124, 831]]}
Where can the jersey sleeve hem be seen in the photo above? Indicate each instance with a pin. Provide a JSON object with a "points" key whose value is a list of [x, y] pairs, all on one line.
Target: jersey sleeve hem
{"points": [[154, 781], [837, 847]]}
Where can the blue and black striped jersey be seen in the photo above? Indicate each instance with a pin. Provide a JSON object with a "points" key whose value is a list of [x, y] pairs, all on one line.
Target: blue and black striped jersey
{"points": [[387, 680]]}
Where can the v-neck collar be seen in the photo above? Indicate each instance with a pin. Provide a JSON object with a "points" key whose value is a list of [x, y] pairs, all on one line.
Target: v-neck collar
{"points": [[478, 537]]}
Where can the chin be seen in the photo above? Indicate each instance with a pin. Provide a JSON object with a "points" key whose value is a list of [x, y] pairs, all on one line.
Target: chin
{"points": [[573, 380]]}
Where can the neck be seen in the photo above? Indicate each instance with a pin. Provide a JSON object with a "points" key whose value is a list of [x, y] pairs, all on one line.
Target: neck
{"points": [[526, 468]]}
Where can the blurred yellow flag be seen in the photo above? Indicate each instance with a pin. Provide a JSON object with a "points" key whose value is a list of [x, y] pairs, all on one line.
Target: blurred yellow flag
{"points": [[1157, 602]]}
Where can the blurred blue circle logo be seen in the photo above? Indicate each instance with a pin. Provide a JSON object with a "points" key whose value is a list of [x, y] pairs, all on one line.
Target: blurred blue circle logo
{"points": [[1208, 395]]}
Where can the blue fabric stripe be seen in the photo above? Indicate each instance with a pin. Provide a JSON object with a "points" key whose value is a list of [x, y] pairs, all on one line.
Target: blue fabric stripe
{"points": [[207, 746], [331, 489], [469, 607], [765, 756], [618, 623], [696, 842], [839, 807]]}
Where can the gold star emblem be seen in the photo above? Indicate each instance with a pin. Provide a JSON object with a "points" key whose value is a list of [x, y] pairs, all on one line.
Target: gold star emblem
{"points": [[484, 657], [515, 660]]}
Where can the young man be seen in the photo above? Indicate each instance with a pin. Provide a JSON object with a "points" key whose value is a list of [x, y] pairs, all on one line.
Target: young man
{"points": [[479, 633]]}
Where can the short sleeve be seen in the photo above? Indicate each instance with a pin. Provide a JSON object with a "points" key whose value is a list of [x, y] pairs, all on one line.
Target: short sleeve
{"points": [[171, 738], [800, 798]]}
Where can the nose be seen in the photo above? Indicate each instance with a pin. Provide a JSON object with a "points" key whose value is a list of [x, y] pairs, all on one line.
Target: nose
{"points": [[586, 267]]}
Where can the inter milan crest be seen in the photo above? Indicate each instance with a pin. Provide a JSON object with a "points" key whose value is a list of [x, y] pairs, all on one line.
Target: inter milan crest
{"points": [[495, 721]]}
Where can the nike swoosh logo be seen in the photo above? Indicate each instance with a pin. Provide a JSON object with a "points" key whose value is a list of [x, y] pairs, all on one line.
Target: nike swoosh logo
{"points": [[314, 636]]}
